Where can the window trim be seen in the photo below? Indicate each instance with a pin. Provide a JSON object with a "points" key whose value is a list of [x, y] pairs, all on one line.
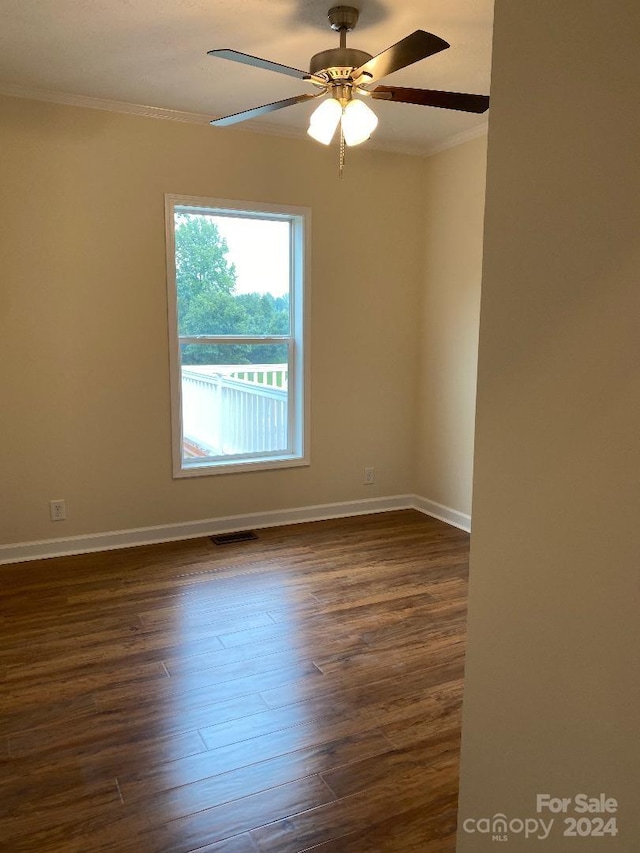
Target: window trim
{"points": [[299, 367]]}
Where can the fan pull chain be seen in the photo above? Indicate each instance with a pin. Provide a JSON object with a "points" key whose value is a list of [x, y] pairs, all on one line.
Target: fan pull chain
{"points": [[342, 152]]}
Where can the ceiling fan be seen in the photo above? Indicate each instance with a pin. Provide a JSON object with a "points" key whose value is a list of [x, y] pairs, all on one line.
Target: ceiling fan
{"points": [[346, 74]]}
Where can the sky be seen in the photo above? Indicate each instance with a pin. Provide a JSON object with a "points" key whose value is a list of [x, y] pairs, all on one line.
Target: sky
{"points": [[259, 248]]}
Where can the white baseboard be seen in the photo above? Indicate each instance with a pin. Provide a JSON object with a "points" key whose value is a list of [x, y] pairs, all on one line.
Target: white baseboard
{"points": [[45, 548], [443, 513]]}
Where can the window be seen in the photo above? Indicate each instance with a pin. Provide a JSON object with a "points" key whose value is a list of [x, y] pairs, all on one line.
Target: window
{"points": [[237, 281]]}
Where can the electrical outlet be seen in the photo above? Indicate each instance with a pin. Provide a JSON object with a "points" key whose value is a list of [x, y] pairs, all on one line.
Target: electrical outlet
{"points": [[57, 510], [369, 476]]}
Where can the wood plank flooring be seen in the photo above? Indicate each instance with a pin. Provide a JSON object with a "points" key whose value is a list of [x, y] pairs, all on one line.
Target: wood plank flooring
{"points": [[298, 692]]}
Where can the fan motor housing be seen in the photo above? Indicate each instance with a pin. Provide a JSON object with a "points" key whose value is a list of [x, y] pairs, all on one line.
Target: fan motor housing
{"points": [[338, 62]]}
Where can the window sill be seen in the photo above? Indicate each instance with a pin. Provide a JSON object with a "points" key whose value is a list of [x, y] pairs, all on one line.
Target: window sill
{"points": [[271, 463]]}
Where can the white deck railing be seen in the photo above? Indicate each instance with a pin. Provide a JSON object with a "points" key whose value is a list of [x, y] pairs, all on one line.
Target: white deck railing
{"points": [[231, 409]]}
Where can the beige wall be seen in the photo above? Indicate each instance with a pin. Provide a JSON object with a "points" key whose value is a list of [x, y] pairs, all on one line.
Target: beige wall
{"points": [[454, 199], [83, 337], [552, 700]]}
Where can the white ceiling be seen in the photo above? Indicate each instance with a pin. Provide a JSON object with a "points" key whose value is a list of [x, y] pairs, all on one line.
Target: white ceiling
{"points": [[153, 52]]}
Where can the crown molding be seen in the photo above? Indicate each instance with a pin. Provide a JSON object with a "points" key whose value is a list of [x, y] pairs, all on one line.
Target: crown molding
{"points": [[458, 139], [70, 99]]}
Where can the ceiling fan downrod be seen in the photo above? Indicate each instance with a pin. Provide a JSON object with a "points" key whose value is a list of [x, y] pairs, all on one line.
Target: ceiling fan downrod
{"points": [[343, 19]]}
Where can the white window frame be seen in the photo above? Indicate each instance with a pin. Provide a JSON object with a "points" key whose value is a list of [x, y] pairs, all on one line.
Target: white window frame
{"points": [[297, 453]]}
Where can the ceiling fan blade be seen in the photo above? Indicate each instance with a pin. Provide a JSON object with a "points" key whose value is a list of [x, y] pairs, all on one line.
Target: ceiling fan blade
{"points": [[247, 59], [414, 47], [433, 98], [224, 121]]}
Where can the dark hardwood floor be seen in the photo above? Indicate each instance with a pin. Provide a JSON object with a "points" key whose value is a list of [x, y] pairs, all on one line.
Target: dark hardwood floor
{"points": [[297, 692]]}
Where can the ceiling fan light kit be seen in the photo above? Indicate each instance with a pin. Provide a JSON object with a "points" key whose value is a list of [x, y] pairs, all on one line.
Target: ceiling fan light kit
{"points": [[357, 120], [345, 74]]}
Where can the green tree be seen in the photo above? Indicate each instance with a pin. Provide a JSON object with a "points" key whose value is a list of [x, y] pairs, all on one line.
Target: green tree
{"points": [[208, 305], [202, 268], [265, 315]]}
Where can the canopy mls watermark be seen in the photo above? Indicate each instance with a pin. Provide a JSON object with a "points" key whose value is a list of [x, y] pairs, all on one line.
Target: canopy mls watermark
{"points": [[579, 816]]}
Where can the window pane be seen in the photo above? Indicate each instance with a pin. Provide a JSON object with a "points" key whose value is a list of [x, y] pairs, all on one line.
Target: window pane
{"points": [[232, 275], [234, 400]]}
